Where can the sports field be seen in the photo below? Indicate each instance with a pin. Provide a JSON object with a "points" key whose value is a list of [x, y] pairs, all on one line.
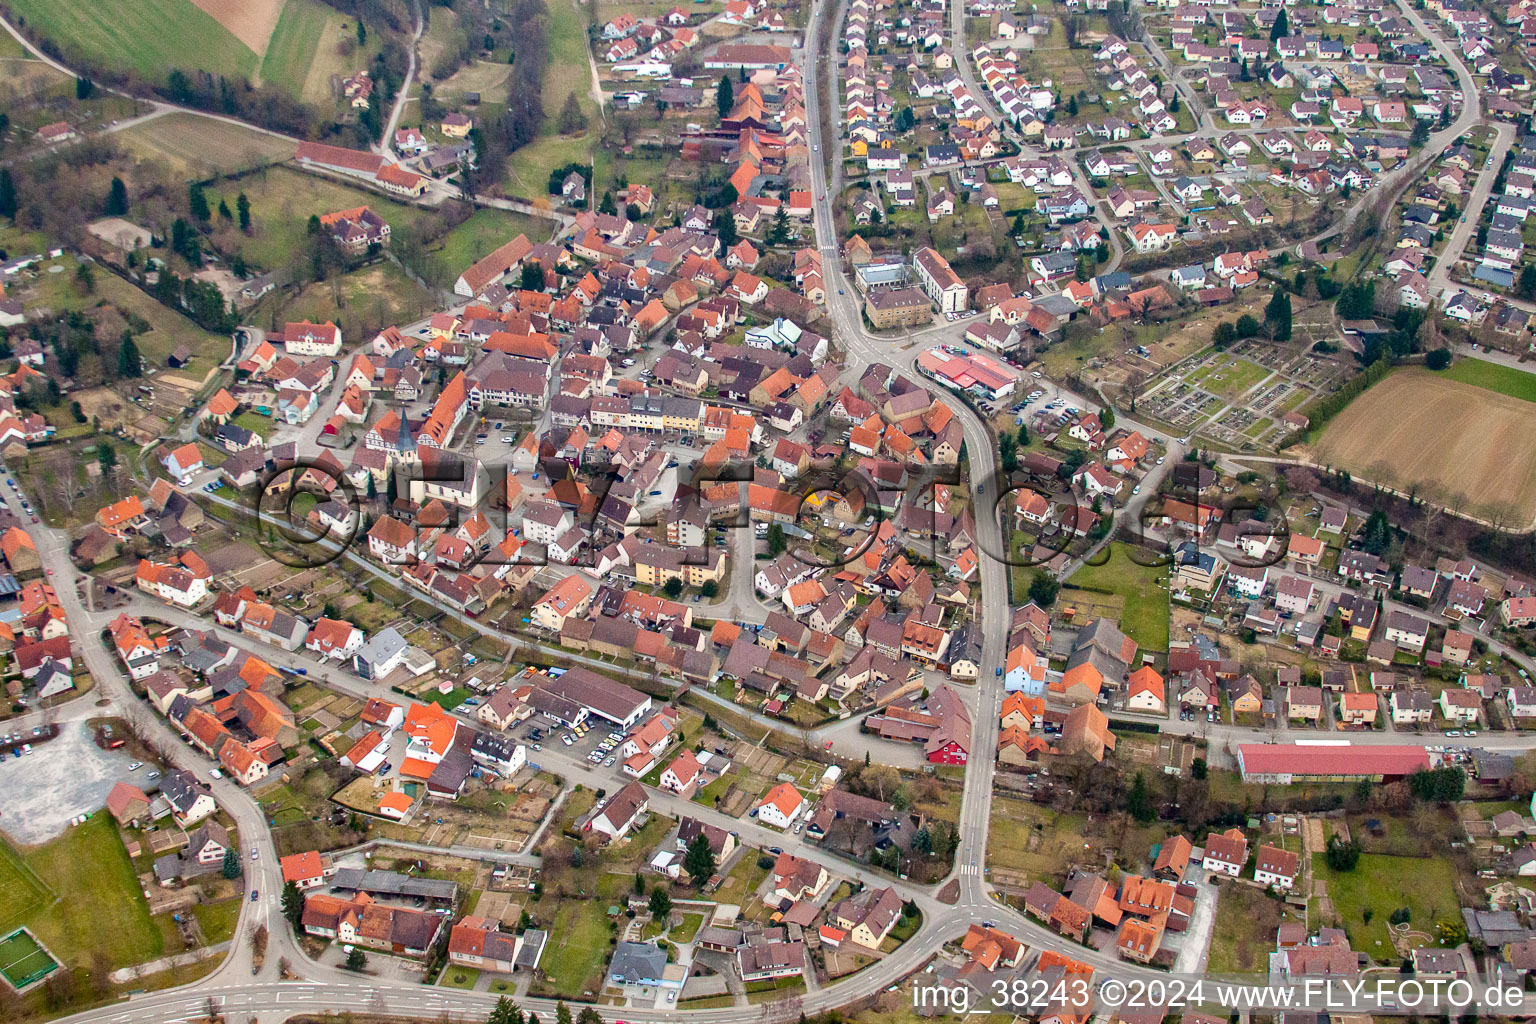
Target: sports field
{"points": [[23, 960], [1420, 428], [1506, 380], [149, 37]]}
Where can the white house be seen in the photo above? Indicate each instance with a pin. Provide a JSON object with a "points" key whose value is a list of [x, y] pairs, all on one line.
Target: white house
{"points": [[307, 339], [334, 638], [1411, 707], [1276, 867], [1521, 701], [682, 774], [544, 522], [1225, 853], [781, 806], [1461, 706]]}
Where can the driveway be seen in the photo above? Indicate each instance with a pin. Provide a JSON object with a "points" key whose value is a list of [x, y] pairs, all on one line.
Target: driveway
{"points": [[1196, 940], [64, 777]]}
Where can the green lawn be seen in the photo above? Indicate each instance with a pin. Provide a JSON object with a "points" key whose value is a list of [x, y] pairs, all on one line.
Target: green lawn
{"points": [[1228, 376], [1506, 380], [568, 71], [689, 927], [1012, 853], [282, 200], [450, 700], [483, 233], [218, 920], [1382, 884], [255, 422], [459, 977], [168, 328], [99, 905], [361, 303], [1145, 616], [149, 37], [21, 890], [707, 795], [1067, 357], [193, 146], [743, 880], [578, 944]]}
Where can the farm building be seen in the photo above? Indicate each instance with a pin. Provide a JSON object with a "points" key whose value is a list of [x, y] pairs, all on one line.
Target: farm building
{"points": [[1285, 763]]}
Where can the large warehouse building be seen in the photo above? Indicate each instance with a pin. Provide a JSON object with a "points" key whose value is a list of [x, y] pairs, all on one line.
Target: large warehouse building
{"points": [[1284, 763]]}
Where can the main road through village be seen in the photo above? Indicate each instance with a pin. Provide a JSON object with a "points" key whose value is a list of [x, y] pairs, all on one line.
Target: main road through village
{"points": [[243, 993]]}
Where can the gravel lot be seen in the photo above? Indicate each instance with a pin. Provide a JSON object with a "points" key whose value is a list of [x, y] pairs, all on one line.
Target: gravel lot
{"points": [[64, 777]]}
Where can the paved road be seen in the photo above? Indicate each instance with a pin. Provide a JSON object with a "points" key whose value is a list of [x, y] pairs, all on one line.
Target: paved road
{"points": [[386, 144], [1440, 282], [86, 626], [160, 106]]}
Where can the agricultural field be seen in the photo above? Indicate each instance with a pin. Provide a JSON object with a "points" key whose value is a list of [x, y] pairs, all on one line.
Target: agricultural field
{"points": [[290, 56], [191, 146], [1418, 427], [251, 21], [333, 51], [147, 37]]}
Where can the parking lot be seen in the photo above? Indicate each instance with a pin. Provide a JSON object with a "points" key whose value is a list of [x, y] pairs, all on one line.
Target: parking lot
{"points": [[594, 740], [41, 791]]}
